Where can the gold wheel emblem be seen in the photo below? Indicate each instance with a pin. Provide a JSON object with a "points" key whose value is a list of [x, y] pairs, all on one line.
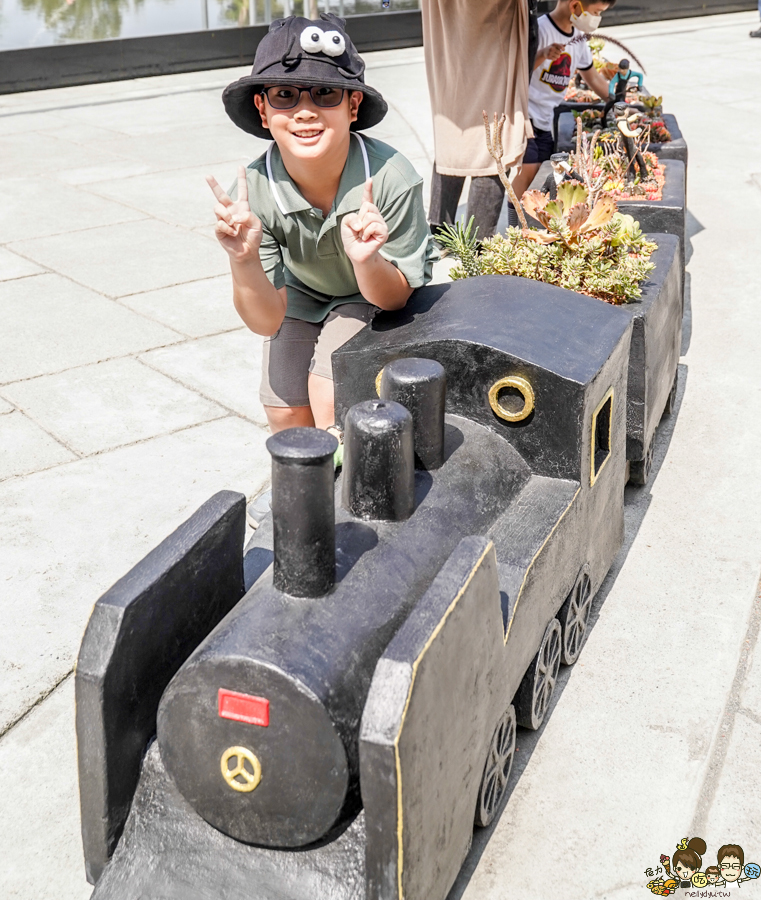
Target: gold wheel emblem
{"points": [[231, 775], [378, 379], [519, 384]]}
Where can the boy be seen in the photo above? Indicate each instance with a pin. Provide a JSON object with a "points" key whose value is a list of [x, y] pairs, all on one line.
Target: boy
{"points": [[555, 64], [326, 227]]}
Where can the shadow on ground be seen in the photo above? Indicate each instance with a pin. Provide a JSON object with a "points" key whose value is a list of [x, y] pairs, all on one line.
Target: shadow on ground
{"points": [[636, 504]]}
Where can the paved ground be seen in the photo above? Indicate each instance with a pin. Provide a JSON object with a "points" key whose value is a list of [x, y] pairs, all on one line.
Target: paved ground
{"points": [[128, 396]]}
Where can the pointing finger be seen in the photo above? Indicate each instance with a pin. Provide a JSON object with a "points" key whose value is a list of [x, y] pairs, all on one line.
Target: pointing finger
{"points": [[367, 193], [219, 192], [242, 185]]}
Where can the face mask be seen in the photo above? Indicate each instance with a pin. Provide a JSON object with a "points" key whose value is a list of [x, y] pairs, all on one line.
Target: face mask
{"points": [[586, 22]]}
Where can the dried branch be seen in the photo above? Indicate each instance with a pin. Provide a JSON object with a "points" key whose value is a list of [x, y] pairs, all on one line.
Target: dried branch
{"points": [[608, 40], [494, 146]]}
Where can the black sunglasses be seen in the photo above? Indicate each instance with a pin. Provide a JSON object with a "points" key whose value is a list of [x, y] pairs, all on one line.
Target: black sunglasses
{"points": [[287, 97]]}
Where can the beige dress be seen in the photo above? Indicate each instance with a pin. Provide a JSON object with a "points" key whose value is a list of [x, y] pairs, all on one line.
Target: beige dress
{"points": [[476, 54]]}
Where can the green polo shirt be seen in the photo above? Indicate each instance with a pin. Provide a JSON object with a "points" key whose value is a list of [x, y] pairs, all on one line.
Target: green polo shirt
{"points": [[302, 249]]}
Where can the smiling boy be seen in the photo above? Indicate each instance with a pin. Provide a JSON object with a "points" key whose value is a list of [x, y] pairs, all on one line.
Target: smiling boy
{"points": [[326, 227]]}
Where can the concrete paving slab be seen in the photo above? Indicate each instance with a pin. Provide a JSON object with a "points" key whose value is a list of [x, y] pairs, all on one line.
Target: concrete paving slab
{"points": [[14, 266], [31, 154], [110, 404], [750, 695], [179, 196], [151, 115], [51, 324], [5, 407], [42, 824], [212, 143], [130, 258], [101, 172], [196, 309], [71, 532], [31, 121], [37, 207], [735, 816], [27, 448], [225, 368]]}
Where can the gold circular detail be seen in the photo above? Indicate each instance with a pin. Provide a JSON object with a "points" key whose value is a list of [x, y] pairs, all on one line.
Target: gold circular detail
{"points": [[378, 379], [524, 389], [250, 779]]}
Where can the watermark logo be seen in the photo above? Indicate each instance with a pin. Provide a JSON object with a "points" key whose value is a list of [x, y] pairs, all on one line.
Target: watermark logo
{"points": [[688, 869]]}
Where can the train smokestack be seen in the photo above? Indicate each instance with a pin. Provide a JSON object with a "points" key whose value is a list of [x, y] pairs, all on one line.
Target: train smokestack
{"points": [[420, 385], [303, 511], [379, 461]]}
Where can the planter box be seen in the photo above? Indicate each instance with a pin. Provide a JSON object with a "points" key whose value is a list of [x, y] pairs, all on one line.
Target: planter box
{"points": [[674, 149], [665, 216], [655, 347]]}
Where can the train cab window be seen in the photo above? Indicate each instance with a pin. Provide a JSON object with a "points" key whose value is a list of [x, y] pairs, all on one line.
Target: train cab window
{"points": [[601, 432]]}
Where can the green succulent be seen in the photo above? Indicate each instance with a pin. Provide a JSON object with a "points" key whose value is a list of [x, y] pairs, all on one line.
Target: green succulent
{"points": [[600, 252]]}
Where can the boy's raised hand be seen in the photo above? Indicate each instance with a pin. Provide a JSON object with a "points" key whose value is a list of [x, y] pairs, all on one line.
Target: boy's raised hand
{"points": [[365, 232], [238, 229]]}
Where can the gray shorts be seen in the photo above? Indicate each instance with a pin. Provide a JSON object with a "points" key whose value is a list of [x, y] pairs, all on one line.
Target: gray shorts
{"points": [[299, 347]]}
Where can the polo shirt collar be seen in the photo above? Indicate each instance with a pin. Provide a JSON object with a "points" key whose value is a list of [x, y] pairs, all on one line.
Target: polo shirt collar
{"points": [[350, 187]]}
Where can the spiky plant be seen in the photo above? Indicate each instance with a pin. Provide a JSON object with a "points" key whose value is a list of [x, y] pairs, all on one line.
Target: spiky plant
{"points": [[462, 242]]}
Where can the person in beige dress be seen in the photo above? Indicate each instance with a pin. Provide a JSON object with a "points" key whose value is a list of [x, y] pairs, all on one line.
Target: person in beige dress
{"points": [[477, 58]]}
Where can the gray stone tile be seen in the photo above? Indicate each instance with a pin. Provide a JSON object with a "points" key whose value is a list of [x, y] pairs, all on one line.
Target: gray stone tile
{"points": [[51, 324], [14, 266], [180, 196], [20, 122], [5, 407], [69, 533], [39, 816], [103, 406], [66, 209], [129, 258], [197, 308], [735, 814], [124, 168], [226, 367], [31, 153], [151, 115], [213, 143], [27, 448]]}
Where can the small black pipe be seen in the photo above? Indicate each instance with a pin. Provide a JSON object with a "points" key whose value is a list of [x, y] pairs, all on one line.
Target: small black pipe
{"points": [[303, 511], [379, 461], [420, 385]]}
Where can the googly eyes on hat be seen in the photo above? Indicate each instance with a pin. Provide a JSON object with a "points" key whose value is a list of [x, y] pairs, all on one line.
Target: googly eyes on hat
{"points": [[333, 43], [315, 40], [311, 40]]}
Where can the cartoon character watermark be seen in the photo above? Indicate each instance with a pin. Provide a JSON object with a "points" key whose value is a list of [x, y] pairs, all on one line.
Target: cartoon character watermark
{"points": [[682, 871]]}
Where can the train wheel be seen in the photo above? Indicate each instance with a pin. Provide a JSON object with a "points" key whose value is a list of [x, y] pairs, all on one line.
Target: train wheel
{"points": [[497, 769], [574, 617], [535, 692], [639, 472], [671, 402]]}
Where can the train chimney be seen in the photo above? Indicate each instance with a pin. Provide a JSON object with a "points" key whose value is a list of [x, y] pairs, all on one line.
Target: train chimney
{"points": [[379, 461], [420, 385], [303, 511]]}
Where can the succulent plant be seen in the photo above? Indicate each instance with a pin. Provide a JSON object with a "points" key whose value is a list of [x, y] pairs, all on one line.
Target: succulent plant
{"points": [[599, 252]]}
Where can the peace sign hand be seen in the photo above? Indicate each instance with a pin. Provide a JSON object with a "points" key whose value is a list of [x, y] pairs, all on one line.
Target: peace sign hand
{"points": [[238, 230], [365, 232]]}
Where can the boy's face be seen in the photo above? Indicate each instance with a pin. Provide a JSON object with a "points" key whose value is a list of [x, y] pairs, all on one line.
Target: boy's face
{"points": [[308, 131]]}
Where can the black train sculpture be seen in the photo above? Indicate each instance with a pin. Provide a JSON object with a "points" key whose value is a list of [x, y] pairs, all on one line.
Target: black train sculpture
{"points": [[337, 730]]}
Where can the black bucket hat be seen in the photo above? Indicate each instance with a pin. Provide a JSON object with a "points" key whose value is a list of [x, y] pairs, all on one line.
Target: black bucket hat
{"points": [[303, 52]]}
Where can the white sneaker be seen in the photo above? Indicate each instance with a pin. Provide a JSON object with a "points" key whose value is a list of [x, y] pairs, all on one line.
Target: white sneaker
{"points": [[258, 508]]}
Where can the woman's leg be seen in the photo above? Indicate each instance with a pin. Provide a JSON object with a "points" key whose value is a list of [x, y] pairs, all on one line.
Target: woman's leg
{"points": [[281, 417], [321, 401], [445, 197], [485, 204]]}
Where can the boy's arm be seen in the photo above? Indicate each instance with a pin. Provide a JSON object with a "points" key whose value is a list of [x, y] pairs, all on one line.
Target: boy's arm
{"points": [[363, 234], [599, 83], [260, 305]]}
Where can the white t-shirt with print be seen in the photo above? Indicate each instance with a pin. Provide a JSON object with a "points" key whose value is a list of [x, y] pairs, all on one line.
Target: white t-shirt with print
{"points": [[550, 79]]}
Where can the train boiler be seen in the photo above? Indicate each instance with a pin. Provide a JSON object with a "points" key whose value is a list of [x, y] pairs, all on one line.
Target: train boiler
{"points": [[334, 710]]}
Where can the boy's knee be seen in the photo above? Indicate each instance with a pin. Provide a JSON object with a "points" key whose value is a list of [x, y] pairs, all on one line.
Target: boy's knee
{"points": [[281, 417]]}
